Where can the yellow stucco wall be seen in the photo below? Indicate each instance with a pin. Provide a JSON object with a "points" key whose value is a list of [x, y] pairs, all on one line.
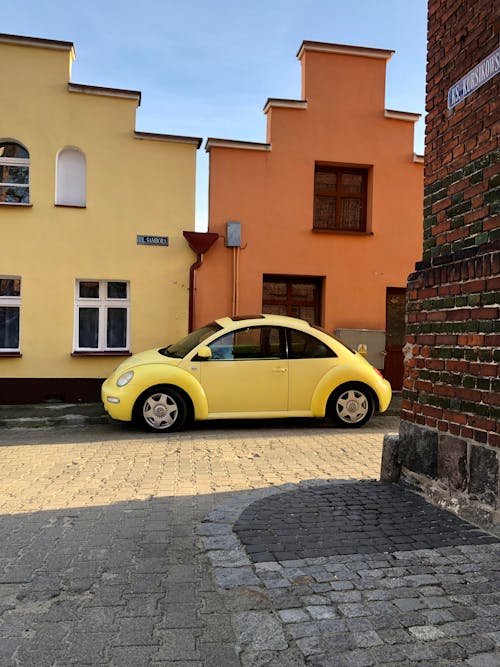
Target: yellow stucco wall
{"points": [[134, 186]]}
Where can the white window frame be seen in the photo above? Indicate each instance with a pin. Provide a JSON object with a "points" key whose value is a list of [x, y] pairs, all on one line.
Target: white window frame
{"points": [[16, 162], [12, 302], [103, 303]]}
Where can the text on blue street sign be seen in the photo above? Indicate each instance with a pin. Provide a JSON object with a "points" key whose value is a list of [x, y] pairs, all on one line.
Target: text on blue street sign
{"points": [[474, 79]]}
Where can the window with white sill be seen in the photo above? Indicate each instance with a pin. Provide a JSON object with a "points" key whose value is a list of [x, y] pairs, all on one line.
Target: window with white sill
{"points": [[102, 316], [10, 313], [14, 173]]}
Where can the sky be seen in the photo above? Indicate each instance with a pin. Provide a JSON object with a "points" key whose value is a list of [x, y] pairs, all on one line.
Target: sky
{"points": [[205, 68]]}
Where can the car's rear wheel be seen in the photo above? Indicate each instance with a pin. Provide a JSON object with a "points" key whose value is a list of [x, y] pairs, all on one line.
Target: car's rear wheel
{"points": [[161, 409], [351, 405]]}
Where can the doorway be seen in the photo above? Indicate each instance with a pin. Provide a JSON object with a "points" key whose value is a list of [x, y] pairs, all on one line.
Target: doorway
{"points": [[395, 304]]}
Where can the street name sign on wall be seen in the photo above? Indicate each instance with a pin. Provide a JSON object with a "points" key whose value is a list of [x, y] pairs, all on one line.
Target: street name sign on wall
{"points": [[152, 240], [474, 79]]}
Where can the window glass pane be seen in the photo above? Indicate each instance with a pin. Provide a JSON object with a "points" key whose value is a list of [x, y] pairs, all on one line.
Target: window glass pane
{"points": [[251, 343], [88, 327], [117, 290], [324, 180], [351, 213], [10, 287], [270, 345], [275, 290], [304, 346], [117, 327], [89, 289], [352, 183], [14, 195], [8, 149], [9, 327], [222, 348], [307, 313], [247, 343], [304, 291], [324, 212], [9, 174]]}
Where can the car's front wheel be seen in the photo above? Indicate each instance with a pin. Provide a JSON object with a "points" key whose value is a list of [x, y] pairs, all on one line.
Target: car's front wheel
{"points": [[161, 409], [351, 405]]}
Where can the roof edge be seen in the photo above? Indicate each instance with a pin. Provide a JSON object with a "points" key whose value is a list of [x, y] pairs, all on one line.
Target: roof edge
{"points": [[418, 158], [176, 138], [344, 49], [402, 115], [230, 143], [284, 104], [23, 40], [107, 92]]}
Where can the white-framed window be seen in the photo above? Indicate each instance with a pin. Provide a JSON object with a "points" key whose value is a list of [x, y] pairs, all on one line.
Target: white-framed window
{"points": [[71, 177], [102, 316], [10, 313], [14, 173]]}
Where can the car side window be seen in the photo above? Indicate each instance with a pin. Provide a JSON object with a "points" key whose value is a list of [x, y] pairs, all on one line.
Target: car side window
{"points": [[248, 343], [303, 346]]}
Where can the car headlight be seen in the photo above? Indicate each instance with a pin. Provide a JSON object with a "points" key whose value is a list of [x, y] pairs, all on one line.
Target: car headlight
{"points": [[124, 378]]}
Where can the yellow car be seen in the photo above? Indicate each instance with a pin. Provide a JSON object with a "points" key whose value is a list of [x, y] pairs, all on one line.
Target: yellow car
{"points": [[246, 367]]}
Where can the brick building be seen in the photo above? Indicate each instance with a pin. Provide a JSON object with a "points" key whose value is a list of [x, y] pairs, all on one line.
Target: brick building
{"points": [[449, 441]]}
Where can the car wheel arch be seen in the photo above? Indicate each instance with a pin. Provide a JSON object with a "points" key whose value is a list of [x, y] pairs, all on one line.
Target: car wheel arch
{"points": [[336, 393], [164, 386]]}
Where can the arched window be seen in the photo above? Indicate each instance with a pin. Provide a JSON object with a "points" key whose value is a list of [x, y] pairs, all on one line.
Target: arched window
{"points": [[14, 173], [71, 177]]}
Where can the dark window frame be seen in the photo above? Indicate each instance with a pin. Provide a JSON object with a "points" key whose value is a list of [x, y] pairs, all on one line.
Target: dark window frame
{"points": [[339, 194], [291, 301]]}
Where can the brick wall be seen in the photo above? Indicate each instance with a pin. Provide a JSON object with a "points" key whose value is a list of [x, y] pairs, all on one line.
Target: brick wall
{"points": [[449, 436]]}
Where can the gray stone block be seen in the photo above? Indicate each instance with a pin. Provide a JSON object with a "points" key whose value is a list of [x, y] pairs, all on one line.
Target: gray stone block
{"points": [[418, 449], [452, 461]]}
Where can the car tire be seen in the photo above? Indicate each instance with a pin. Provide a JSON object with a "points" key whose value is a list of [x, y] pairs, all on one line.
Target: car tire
{"points": [[351, 405], [161, 409]]}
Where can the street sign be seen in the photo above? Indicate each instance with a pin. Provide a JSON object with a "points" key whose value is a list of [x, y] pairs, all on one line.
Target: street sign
{"points": [[474, 79], [152, 240]]}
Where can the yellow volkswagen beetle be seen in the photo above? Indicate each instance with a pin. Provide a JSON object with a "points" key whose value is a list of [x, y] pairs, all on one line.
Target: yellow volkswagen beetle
{"points": [[246, 367]]}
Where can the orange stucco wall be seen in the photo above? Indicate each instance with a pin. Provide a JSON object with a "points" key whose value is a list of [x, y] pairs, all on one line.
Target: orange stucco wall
{"points": [[270, 191]]}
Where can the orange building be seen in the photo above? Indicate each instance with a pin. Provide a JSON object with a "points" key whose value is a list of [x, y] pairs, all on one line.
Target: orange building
{"points": [[324, 220]]}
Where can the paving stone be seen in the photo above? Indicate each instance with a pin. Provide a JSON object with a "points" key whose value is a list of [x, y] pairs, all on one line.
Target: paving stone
{"points": [[259, 629], [176, 643], [293, 615], [132, 564], [215, 655]]}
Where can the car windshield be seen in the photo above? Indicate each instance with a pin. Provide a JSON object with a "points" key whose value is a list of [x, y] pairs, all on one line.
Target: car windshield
{"points": [[189, 342]]}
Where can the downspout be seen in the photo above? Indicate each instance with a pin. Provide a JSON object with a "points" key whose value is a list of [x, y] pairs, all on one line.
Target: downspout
{"points": [[199, 242]]}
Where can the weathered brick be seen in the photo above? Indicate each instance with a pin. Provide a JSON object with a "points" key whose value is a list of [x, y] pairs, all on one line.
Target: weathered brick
{"points": [[454, 318]]}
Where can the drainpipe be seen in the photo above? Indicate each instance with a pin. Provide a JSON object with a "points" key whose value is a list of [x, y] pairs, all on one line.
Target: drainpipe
{"points": [[199, 242]]}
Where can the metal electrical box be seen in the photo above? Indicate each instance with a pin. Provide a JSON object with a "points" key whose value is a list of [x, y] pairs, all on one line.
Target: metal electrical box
{"points": [[374, 341], [233, 234]]}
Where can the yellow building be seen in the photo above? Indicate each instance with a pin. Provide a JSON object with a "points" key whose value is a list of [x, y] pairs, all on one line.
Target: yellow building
{"points": [[93, 263]]}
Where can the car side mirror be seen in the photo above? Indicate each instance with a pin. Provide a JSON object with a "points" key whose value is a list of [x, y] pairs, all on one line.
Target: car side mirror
{"points": [[204, 353]]}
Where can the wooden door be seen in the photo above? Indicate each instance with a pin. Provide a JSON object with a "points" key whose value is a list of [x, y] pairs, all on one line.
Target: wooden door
{"points": [[395, 336]]}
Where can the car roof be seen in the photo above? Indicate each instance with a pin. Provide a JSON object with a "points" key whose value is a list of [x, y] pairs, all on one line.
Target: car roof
{"points": [[248, 320]]}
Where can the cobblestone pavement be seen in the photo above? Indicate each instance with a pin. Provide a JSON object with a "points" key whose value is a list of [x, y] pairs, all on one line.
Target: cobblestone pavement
{"points": [[117, 548]]}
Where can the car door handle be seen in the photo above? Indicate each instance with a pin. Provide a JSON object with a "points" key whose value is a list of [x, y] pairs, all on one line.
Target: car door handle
{"points": [[279, 370]]}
